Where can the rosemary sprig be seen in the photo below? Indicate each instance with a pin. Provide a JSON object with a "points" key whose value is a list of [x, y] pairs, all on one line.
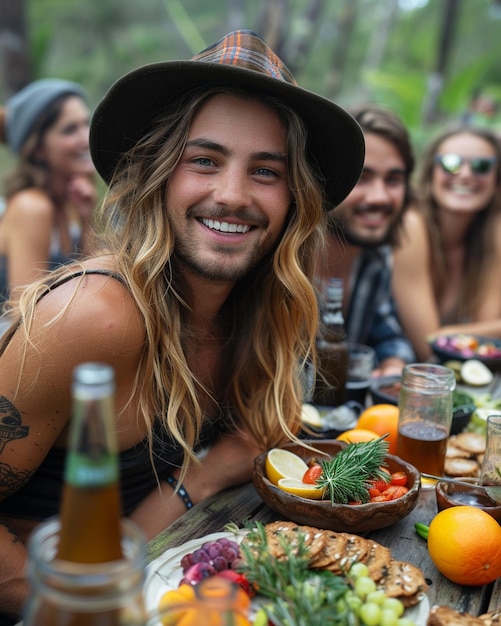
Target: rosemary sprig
{"points": [[298, 596], [346, 477]]}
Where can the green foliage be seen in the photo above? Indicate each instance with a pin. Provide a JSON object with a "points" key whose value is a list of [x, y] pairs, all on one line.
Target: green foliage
{"points": [[459, 87], [388, 57]]}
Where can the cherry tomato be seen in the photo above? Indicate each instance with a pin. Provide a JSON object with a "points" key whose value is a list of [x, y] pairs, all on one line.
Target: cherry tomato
{"points": [[399, 479], [396, 491], [312, 474], [384, 497], [379, 484], [374, 492], [237, 579]]}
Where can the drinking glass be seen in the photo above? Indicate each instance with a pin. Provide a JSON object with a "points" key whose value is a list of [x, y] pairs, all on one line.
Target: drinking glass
{"points": [[490, 474], [360, 365], [425, 416]]}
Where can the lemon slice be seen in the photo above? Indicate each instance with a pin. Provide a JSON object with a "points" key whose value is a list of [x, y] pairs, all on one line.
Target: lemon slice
{"points": [[311, 416], [284, 464], [474, 372], [298, 488]]}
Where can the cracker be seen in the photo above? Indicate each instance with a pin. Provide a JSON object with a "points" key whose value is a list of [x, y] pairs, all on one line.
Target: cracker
{"points": [[447, 616], [377, 560], [341, 550], [403, 581], [474, 443], [280, 533], [461, 467], [453, 452], [355, 550], [331, 552]]}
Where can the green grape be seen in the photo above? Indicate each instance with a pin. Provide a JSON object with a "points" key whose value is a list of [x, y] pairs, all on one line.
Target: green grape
{"points": [[359, 569], [395, 605], [370, 614], [352, 601], [377, 596], [388, 618], [364, 585]]}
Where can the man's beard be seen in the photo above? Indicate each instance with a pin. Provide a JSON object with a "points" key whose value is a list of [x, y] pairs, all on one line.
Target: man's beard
{"points": [[341, 230]]}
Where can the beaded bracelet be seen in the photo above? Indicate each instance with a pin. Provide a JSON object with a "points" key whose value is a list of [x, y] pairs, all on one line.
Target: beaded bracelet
{"points": [[181, 492]]}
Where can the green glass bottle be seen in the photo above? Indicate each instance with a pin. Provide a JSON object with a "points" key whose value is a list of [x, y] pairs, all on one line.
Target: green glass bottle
{"points": [[87, 567]]}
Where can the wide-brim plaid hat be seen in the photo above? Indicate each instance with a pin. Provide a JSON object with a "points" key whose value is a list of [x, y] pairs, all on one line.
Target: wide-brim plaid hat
{"points": [[240, 59]]}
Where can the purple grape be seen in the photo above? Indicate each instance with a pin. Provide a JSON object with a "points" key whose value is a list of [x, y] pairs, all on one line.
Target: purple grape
{"points": [[197, 573], [224, 541], [214, 550], [200, 556], [239, 562], [219, 563], [229, 553], [186, 562]]}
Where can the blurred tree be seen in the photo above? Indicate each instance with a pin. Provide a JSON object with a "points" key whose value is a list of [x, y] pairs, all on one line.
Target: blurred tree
{"points": [[344, 49], [14, 47], [436, 79]]}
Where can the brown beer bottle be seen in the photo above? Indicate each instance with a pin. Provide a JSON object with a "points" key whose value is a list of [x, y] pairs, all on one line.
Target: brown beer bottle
{"points": [[86, 568], [332, 349], [91, 504]]}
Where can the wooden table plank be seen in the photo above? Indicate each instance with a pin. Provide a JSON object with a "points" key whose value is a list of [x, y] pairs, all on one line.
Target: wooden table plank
{"points": [[495, 601]]}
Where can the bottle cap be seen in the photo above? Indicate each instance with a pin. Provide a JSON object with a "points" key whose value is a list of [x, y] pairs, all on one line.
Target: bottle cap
{"points": [[93, 374]]}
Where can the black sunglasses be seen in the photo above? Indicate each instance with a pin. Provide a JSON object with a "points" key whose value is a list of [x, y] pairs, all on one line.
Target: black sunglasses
{"points": [[451, 163]]}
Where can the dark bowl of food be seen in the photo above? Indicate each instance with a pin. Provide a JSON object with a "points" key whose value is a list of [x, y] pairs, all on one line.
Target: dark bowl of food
{"points": [[386, 389], [353, 518], [466, 492]]}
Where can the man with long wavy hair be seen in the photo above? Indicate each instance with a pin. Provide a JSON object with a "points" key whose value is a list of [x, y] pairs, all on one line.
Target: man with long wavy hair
{"points": [[221, 171]]}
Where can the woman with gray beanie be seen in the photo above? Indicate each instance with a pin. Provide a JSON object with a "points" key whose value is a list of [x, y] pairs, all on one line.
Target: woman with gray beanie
{"points": [[50, 194]]}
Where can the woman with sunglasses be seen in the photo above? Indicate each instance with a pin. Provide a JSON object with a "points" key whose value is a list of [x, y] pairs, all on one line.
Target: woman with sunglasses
{"points": [[447, 275]]}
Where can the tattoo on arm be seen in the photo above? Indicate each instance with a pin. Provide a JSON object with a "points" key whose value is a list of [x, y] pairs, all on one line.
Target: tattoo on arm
{"points": [[10, 429], [10, 423], [11, 480]]}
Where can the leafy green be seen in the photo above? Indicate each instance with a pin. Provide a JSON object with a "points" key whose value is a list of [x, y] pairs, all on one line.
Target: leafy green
{"points": [[347, 476], [298, 596], [460, 398]]}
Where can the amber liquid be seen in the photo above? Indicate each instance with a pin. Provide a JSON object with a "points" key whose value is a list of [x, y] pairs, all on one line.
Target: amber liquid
{"points": [[331, 377], [90, 524], [50, 615], [423, 444], [90, 533]]}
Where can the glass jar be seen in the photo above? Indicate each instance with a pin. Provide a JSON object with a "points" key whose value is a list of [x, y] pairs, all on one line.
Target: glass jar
{"points": [[490, 473], [65, 593], [425, 415]]}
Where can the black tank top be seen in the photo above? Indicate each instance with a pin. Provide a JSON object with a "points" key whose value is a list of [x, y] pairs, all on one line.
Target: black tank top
{"points": [[39, 497]]}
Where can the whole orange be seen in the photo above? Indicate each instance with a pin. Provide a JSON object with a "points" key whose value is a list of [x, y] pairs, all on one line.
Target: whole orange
{"points": [[356, 435], [465, 545], [381, 419]]}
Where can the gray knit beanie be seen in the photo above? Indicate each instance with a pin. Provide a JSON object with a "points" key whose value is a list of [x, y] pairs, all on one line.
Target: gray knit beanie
{"points": [[24, 108]]}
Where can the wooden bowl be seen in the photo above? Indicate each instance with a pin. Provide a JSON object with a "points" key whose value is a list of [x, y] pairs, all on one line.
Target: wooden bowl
{"points": [[338, 517], [451, 494]]}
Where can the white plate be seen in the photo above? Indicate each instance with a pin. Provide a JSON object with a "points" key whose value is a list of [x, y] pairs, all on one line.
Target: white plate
{"points": [[165, 573]]}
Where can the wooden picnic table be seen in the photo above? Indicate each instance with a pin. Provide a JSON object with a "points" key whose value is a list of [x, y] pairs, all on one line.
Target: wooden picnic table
{"points": [[243, 503]]}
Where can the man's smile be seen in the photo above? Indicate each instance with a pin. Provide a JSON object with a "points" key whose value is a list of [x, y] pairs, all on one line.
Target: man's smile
{"points": [[225, 227]]}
